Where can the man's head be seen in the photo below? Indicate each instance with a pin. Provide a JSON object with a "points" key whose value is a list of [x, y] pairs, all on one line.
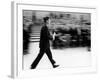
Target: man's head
{"points": [[46, 19]]}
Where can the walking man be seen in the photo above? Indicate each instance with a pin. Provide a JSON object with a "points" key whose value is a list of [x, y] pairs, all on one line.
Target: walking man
{"points": [[44, 45]]}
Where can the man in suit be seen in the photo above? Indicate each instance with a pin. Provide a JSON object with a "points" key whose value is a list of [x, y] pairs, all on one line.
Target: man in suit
{"points": [[44, 45]]}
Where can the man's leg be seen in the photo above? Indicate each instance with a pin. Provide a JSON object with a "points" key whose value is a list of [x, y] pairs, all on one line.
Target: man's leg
{"points": [[49, 54], [40, 55]]}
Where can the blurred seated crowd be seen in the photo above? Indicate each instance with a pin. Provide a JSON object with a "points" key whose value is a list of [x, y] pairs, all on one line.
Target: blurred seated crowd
{"points": [[73, 37]]}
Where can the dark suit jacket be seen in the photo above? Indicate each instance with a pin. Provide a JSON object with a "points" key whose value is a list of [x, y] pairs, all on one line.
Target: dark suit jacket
{"points": [[45, 37]]}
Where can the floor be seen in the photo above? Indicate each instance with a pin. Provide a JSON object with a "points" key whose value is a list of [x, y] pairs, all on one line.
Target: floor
{"points": [[69, 57]]}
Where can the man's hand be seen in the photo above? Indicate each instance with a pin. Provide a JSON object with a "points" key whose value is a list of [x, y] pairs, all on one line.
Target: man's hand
{"points": [[54, 34]]}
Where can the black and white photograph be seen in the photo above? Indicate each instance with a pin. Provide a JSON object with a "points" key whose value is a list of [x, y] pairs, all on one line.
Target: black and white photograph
{"points": [[56, 39], [53, 39]]}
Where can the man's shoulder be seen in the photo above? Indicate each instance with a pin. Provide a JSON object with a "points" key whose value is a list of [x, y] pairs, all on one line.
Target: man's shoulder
{"points": [[44, 28]]}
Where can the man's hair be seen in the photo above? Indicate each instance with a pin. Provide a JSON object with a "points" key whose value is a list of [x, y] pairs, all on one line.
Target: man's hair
{"points": [[45, 19]]}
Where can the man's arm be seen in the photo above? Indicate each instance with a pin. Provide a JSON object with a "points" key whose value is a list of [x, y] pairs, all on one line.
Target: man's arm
{"points": [[49, 35]]}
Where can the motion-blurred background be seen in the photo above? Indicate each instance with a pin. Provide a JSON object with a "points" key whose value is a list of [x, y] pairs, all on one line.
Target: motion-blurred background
{"points": [[72, 29], [72, 44]]}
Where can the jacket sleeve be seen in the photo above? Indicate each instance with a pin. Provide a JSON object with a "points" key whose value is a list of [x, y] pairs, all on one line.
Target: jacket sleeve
{"points": [[45, 33], [49, 36]]}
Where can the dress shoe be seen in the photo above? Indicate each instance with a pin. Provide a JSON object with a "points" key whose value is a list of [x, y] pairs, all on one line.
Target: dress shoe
{"points": [[32, 67], [54, 66]]}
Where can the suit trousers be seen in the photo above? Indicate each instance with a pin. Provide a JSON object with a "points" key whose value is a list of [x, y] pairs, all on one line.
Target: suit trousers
{"points": [[40, 55]]}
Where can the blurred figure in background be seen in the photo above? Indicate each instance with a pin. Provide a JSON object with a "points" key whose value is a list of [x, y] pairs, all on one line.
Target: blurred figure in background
{"points": [[26, 36]]}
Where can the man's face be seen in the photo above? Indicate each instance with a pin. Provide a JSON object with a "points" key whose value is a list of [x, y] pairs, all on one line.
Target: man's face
{"points": [[48, 23]]}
